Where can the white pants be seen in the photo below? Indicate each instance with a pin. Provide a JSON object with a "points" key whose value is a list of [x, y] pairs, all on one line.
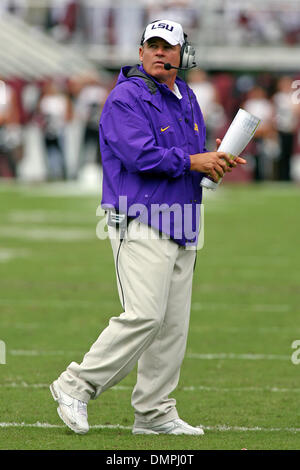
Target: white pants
{"points": [[155, 285]]}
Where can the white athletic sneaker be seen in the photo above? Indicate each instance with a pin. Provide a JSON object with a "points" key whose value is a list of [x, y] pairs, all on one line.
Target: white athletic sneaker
{"points": [[176, 426], [73, 412]]}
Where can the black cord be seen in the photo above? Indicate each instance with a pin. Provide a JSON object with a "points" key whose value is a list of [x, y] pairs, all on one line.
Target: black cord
{"points": [[188, 92], [118, 274], [195, 262]]}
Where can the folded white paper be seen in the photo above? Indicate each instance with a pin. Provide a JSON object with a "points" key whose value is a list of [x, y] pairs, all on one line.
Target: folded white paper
{"points": [[237, 137]]}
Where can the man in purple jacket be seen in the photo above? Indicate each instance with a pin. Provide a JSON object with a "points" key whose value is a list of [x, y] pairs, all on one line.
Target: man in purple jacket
{"points": [[152, 139]]}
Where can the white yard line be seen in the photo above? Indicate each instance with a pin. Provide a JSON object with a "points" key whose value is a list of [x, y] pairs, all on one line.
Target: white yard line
{"points": [[251, 307], [196, 306], [251, 357], [58, 303], [24, 384], [90, 303], [202, 356], [218, 427], [34, 352], [48, 216], [191, 388], [46, 233], [246, 329], [203, 388], [7, 254]]}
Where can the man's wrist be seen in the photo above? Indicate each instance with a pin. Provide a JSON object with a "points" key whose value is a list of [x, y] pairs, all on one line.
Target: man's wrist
{"points": [[193, 159]]}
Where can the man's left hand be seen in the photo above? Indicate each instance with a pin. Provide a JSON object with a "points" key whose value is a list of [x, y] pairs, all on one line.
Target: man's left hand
{"points": [[239, 160]]}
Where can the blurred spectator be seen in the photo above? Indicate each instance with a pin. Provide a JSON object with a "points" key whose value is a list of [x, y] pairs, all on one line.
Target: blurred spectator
{"points": [[287, 121], [289, 21], [30, 95], [207, 97], [54, 112], [224, 84], [265, 140], [96, 21], [62, 18], [118, 23], [181, 11], [16, 7], [10, 131], [88, 107], [127, 24]]}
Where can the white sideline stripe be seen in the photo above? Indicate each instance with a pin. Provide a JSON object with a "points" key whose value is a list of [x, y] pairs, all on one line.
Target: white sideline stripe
{"points": [[47, 425], [192, 388], [207, 356], [252, 307], [66, 188], [7, 254], [255, 357], [195, 306], [23, 352], [218, 427], [86, 303], [224, 427], [238, 329], [47, 233], [41, 216], [57, 303], [27, 385]]}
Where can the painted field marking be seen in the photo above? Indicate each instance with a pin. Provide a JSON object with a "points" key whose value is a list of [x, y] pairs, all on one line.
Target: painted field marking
{"points": [[58, 303], [246, 356], [204, 356], [46, 233], [252, 307], [218, 427], [7, 254], [191, 388], [49, 216], [198, 306]]}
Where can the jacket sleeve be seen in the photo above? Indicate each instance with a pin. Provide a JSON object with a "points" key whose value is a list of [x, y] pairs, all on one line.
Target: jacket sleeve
{"points": [[128, 134]]}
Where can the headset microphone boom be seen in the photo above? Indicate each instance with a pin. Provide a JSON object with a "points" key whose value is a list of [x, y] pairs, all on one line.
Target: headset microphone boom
{"points": [[168, 66]]}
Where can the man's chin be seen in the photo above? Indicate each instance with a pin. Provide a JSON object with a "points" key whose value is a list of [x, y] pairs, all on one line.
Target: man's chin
{"points": [[159, 73]]}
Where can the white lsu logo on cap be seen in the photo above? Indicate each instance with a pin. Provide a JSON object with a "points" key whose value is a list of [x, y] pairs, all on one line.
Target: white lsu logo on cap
{"points": [[163, 26], [168, 30]]}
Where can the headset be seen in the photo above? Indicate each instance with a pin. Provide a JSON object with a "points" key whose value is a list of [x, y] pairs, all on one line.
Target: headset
{"points": [[187, 54]]}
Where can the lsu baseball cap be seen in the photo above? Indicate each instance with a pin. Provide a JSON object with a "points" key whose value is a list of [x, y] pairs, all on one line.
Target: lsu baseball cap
{"points": [[168, 30]]}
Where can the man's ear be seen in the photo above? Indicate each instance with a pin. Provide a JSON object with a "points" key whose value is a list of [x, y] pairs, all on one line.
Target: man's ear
{"points": [[141, 53]]}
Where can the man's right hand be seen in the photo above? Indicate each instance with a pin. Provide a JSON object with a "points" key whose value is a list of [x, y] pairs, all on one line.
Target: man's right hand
{"points": [[214, 164]]}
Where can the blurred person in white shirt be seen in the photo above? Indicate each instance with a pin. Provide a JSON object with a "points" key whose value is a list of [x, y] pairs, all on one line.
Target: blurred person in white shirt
{"points": [[88, 106], [14, 7], [55, 111], [10, 131], [287, 121], [207, 97], [260, 105]]}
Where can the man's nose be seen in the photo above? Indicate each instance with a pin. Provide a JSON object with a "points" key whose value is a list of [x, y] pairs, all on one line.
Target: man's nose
{"points": [[160, 51]]}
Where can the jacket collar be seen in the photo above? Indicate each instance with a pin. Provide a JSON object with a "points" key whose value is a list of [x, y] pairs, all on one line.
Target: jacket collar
{"points": [[164, 88], [152, 89]]}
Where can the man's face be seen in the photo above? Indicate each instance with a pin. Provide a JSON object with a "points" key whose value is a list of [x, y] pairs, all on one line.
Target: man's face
{"points": [[154, 54]]}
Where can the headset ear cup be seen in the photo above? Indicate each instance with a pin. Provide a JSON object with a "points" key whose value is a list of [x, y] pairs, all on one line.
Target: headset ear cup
{"points": [[184, 55], [187, 57]]}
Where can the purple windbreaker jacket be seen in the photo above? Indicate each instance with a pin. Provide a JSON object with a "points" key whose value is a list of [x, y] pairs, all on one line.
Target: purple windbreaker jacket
{"points": [[146, 136]]}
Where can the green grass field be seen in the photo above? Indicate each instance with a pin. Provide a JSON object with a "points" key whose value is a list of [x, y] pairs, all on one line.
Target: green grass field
{"points": [[58, 291]]}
